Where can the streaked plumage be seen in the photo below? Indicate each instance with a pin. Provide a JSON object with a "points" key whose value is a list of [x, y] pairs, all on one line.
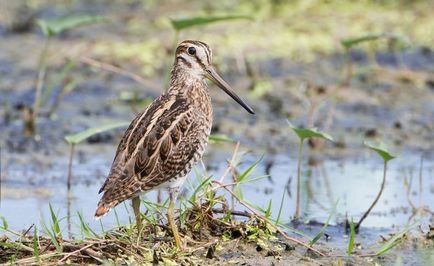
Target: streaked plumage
{"points": [[162, 143]]}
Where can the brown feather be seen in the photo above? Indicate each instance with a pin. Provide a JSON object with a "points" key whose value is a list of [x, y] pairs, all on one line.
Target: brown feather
{"points": [[163, 142]]}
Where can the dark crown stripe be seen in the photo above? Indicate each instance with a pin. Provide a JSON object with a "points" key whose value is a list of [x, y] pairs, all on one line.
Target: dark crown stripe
{"points": [[207, 51]]}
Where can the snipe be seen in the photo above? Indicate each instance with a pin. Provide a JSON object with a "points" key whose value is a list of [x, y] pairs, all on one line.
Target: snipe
{"points": [[163, 142]]}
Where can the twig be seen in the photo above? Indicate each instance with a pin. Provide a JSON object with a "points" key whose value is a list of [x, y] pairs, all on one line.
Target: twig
{"points": [[28, 230], [206, 245], [269, 222], [31, 260], [231, 163], [117, 70], [73, 253], [234, 213]]}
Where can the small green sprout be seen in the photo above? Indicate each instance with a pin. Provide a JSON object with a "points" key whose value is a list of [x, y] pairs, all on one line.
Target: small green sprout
{"points": [[51, 28], [348, 43], [55, 26], [53, 231], [352, 235], [75, 139], [381, 149], [36, 246], [396, 239], [302, 134]]}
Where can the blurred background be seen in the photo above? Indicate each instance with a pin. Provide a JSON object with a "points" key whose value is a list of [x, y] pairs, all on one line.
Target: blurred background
{"points": [[355, 69]]}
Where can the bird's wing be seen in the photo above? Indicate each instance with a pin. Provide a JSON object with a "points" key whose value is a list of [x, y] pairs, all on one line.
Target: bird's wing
{"points": [[155, 148]]}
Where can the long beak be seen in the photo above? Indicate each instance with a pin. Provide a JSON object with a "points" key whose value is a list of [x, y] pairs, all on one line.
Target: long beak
{"points": [[212, 75]]}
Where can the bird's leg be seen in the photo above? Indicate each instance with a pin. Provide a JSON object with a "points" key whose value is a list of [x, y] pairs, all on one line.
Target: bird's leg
{"points": [[136, 208], [173, 193]]}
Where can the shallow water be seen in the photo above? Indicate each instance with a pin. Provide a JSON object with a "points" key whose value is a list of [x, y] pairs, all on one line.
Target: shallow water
{"points": [[353, 183]]}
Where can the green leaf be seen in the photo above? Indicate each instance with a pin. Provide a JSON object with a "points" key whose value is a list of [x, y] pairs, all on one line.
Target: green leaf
{"points": [[381, 149], [323, 229], [52, 236], [280, 207], [79, 137], [183, 23], [52, 27], [351, 242], [220, 138], [350, 42], [304, 133]]}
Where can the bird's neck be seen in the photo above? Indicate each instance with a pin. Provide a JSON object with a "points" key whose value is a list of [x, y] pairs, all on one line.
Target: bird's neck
{"points": [[193, 87]]}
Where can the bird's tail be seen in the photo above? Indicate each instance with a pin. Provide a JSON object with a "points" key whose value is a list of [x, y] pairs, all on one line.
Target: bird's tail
{"points": [[103, 208]]}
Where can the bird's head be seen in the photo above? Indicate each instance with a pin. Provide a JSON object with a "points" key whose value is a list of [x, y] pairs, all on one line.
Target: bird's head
{"points": [[195, 58]]}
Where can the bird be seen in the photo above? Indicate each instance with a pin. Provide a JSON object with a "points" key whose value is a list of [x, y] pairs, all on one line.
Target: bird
{"points": [[164, 142]]}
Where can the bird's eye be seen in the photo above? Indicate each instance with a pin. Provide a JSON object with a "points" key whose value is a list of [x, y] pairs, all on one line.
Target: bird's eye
{"points": [[191, 50]]}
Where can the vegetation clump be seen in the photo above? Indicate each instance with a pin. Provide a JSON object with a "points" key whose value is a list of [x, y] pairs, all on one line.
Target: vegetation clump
{"points": [[207, 231]]}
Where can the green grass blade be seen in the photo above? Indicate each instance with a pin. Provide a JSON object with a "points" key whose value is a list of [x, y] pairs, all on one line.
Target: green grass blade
{"points": [[5, 223], [88, 232], [220, 138], [184, 23], [52, 236], [352, 235], [280, 207], [36, 246], [199, 188], [102, 227], [79, 137], [118, 223], [250, 180], [227, 217], [249, 170], [5, 227], [323, 229], [238, 192], [268, 211], [350, 42], [395, 240], [55, 222]]}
